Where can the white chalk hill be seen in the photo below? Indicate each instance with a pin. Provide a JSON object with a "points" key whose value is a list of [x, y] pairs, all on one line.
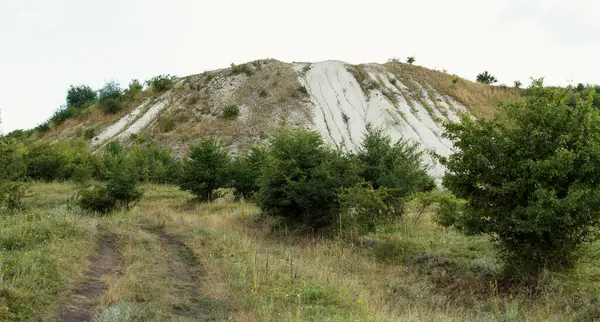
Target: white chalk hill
{"points": [[342, 109]]}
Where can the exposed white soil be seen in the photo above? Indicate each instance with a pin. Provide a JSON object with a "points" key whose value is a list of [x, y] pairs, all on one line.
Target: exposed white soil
{"points": [[342, 111]]}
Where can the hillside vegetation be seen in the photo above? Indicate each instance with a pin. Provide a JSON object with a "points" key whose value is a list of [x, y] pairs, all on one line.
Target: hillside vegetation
{"points": [[393, 203], [178, 259]]}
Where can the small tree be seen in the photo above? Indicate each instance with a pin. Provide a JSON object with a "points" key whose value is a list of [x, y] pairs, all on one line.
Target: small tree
{"points": [[410, 60], [301, 179], [532, 184], [80, 96], [160, 83], [518, 84], [109, 97], [120, 188], [397, 167], [12, 174], [486, 78], [244, 172], [205, 169]]}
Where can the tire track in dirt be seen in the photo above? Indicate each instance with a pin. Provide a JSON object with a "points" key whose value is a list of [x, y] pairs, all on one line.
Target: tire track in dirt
{"points": [[184, 265], [104, 262]]}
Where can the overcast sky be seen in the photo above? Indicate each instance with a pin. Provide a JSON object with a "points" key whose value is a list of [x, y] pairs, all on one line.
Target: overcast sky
{"points": [[48, 45]]}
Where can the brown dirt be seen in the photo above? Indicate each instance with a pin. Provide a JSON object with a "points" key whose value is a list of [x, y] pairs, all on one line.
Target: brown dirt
{"points": [[103, 263], [185, 267]]}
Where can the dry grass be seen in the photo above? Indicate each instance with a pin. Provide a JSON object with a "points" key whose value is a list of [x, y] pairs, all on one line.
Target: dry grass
{"points": [[482, 100], [239, 270]]}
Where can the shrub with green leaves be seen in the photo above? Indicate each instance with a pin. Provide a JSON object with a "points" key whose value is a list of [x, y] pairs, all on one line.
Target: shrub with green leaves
{"points": [[230, 112], [532, 182], [120, 188], [244, 172], [12, 174], [301, 178], [486, 78], [205, 169], [109, 97], [154, 163], [80, 96], [160, 83], [362, 209], [45, 162], [396, 166]]}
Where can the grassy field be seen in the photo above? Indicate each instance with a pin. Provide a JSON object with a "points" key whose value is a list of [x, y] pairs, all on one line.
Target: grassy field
{"points": [[171, 259]]}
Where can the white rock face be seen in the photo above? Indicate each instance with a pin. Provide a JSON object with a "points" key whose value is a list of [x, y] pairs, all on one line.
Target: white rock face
{"points": [[132, 123], [341, 111]]}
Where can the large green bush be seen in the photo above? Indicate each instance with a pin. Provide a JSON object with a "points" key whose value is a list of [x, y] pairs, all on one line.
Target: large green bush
{"points": [[244, 172], [362, 209], [80, 96], [121, 186], [154, 163], [45, 161], [109, 97], [398, 167], [12, 174], [301, 178], [160, 83], [530, 178], [205, 169]]}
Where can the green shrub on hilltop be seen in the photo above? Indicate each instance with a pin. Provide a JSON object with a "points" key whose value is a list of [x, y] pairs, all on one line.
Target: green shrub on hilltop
{"points": [[532, 184], [160, 83], [80, 96]]}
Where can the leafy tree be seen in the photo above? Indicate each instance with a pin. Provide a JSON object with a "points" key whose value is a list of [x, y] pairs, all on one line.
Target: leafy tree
{"points": [[518, 84], [120, 188], [134, 88], [12, 174], [109, 97], [205, 169], [301, 178], [80, 96], [244, 172], [154, 163], [532, 184], [160, 83], [45, 161], [410, 60], [395, 166], [486, 78]]}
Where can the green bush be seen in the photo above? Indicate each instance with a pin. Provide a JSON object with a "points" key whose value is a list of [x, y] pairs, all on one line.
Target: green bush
{"points": [[154, 163], [241, 69], [531, 183], [301, 178], [230, 112], [395, 166], [205, 169], [45, 162], [362, 209], [486, 78], [12, 174], [111, 106], [64, 113], [160, 83], [244, 172], [133, 90], [120, 189], [80, 96]]}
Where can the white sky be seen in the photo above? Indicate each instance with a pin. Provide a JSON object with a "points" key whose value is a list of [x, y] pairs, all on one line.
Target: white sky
{"points": [[48, 45]]}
